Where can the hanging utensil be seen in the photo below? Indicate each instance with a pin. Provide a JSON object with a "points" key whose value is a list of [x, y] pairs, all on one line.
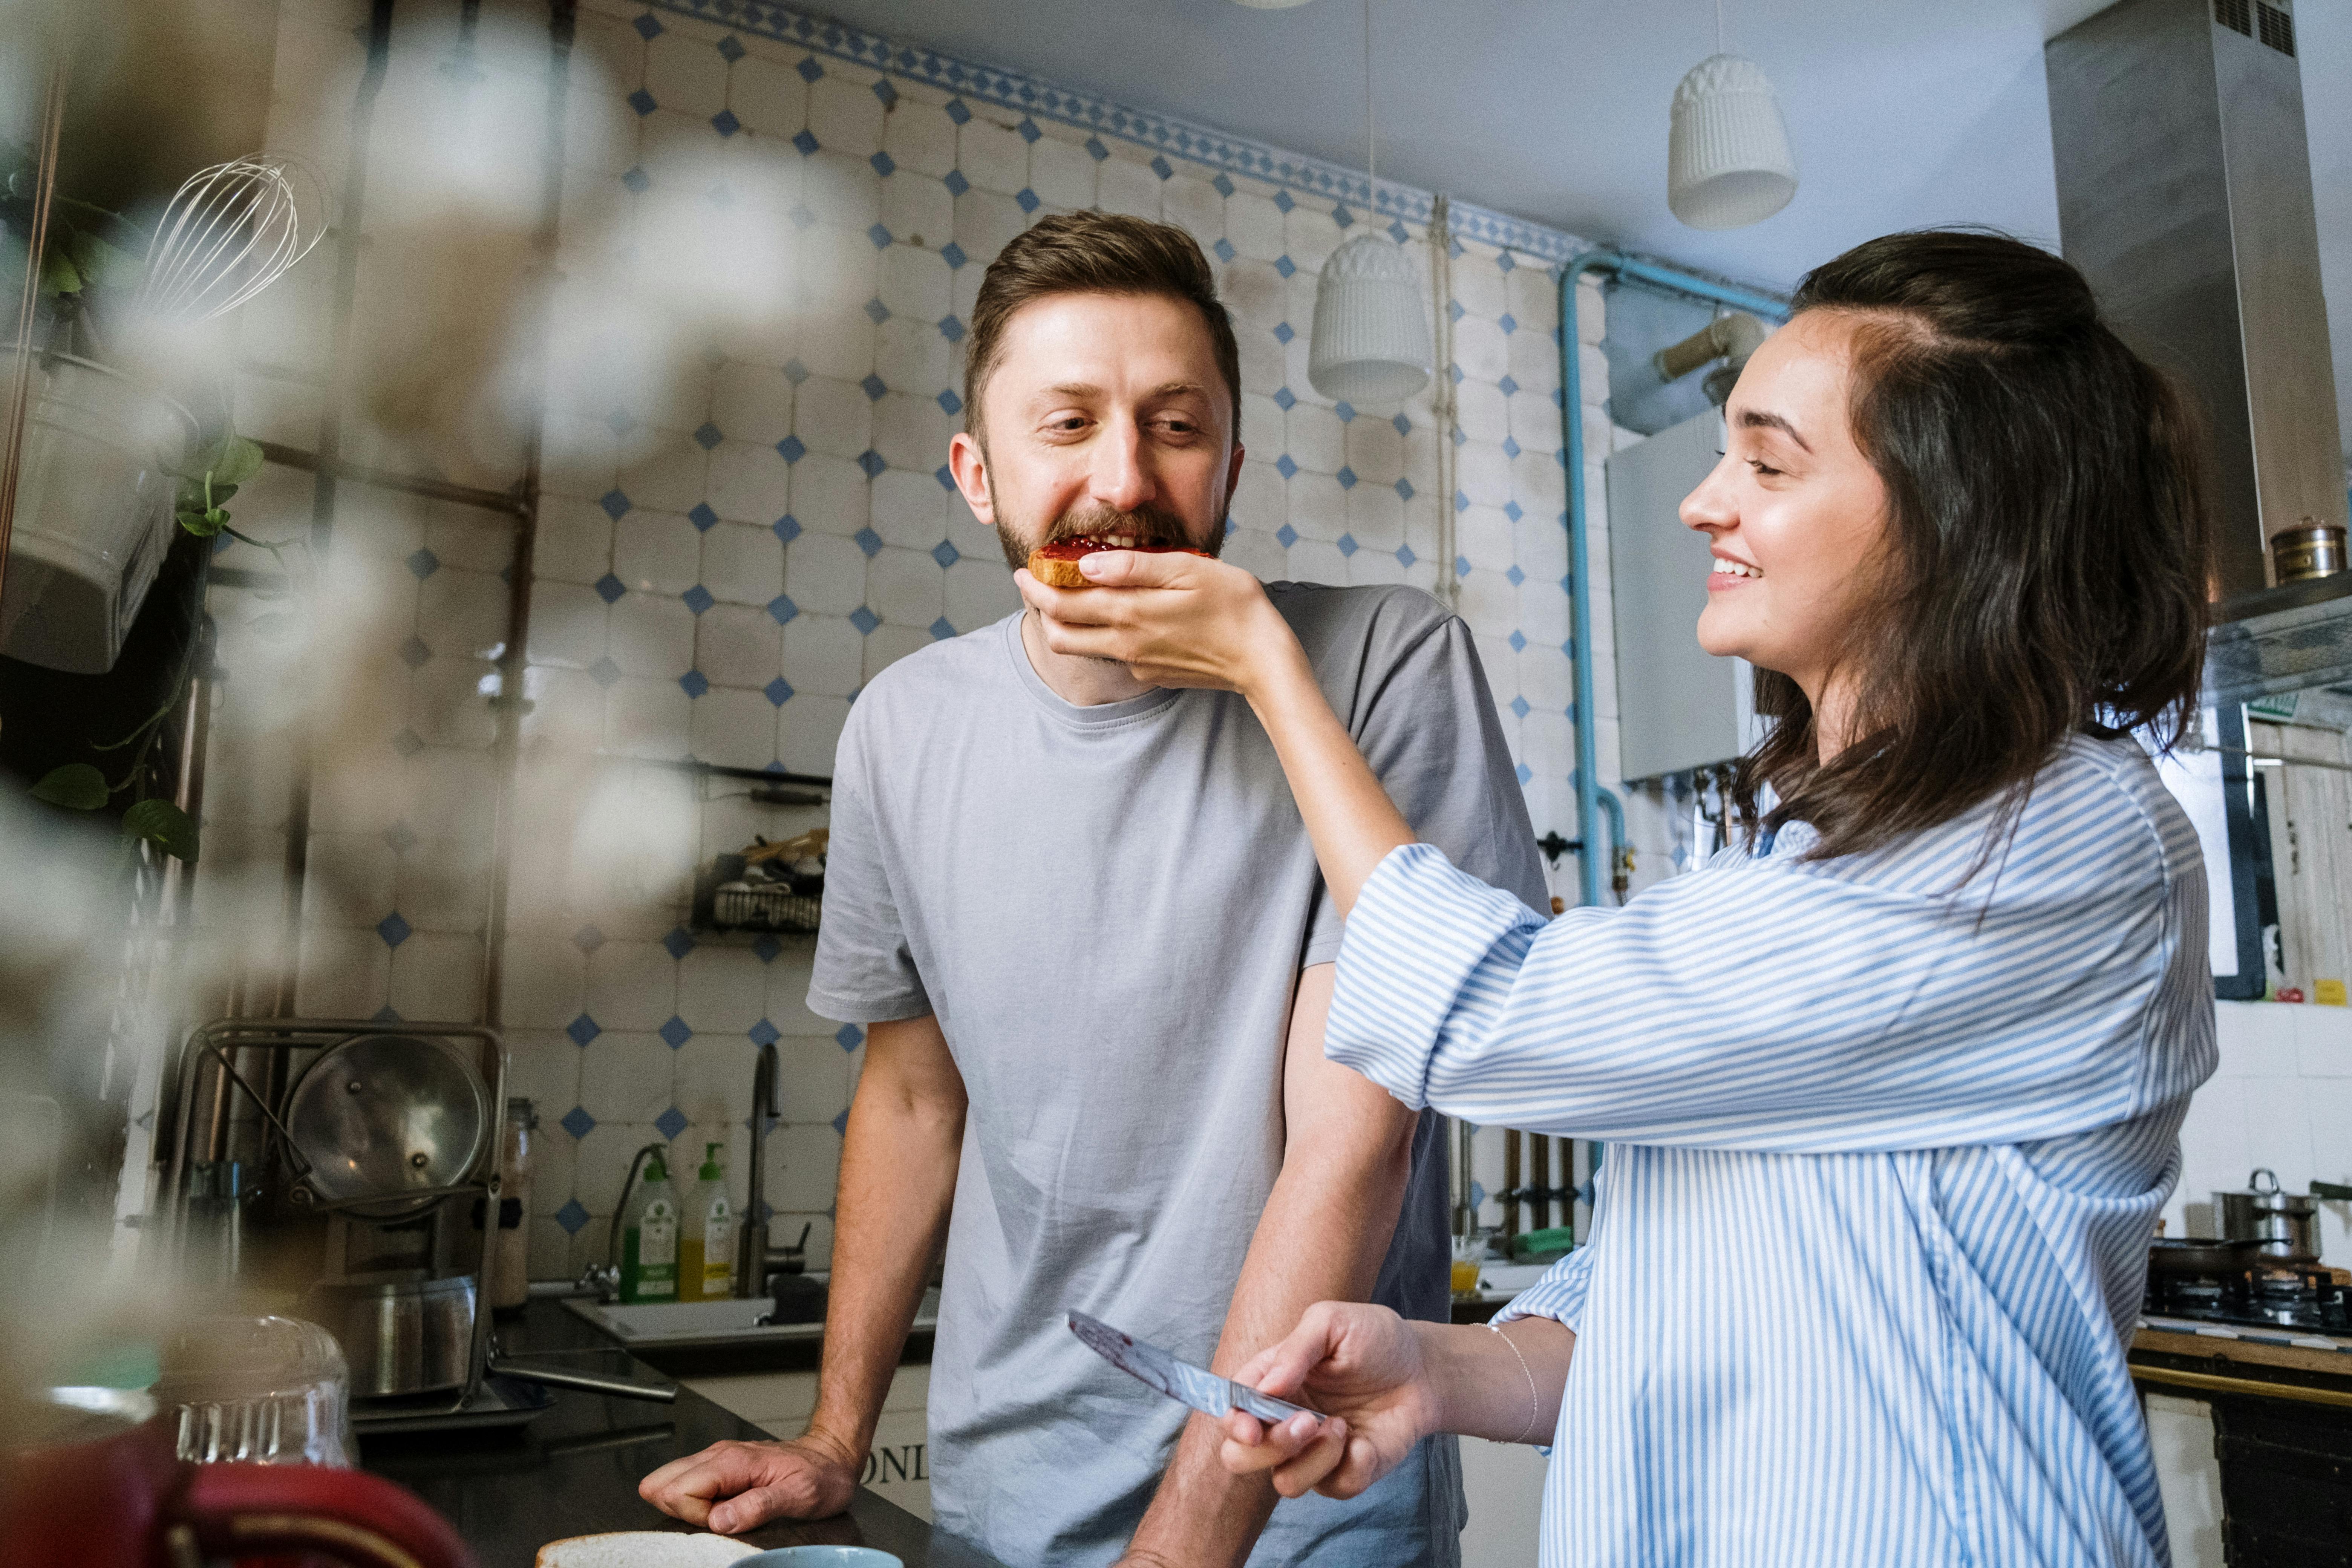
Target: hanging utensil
{"points": [[229, 232]]}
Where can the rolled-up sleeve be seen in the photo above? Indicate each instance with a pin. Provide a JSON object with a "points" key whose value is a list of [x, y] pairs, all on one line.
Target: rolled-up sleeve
{"points": [[1767, 1005], [1559, 1295]]}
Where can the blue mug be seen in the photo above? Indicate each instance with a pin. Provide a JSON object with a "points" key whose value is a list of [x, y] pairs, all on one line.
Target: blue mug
{"points": [[820, 1557]]}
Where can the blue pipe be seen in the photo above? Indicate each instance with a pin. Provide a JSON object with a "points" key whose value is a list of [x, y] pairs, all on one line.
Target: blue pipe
{"points": [[1592, 800]]}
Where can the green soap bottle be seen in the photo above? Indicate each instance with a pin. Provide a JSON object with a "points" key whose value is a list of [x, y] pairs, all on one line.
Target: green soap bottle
{"points": [[649, 1244]]}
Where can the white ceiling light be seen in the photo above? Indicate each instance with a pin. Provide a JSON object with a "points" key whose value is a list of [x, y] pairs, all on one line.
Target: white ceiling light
{"points": [[1370, 343], [1727, 158]]}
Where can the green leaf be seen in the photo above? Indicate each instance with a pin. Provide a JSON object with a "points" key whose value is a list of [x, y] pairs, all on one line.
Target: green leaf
{"points": [[235, 461], [77, 787], [59, 275], [101, 263], [203, 524], [163, 824]]}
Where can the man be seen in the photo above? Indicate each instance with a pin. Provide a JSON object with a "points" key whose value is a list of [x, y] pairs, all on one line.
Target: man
{"points": [[1082, 923]]}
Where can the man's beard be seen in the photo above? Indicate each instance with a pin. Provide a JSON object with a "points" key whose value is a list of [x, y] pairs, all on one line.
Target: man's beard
{"points": [[1148, 524]]}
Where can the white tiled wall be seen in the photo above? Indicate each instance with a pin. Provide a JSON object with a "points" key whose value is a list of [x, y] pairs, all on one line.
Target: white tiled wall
{"points": [[768, 247], [2283, 1098]]}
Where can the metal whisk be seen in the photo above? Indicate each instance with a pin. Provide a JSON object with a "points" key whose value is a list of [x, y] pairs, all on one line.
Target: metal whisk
{"points": [[229, 232]]}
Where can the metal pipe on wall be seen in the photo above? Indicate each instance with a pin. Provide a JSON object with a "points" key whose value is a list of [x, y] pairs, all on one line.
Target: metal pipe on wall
{"points": [[1592, 800], [20, 387]]}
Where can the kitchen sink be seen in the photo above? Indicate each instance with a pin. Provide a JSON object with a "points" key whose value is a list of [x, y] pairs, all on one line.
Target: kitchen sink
{"points": [[692, 1337]]}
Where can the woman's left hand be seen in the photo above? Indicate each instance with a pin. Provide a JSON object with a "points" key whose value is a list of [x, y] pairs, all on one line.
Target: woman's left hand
{"points": [[1174, 619]]}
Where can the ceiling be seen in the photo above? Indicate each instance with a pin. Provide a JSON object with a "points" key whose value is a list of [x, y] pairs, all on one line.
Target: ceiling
{"points": [[1903, 112]]}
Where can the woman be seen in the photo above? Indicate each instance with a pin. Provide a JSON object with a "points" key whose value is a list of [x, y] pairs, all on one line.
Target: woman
{"points": [[1892, 1089]]}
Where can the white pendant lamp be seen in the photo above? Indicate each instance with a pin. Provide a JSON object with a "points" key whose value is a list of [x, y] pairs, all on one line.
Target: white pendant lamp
{"points": [[1370, 343], [1727, 158]]}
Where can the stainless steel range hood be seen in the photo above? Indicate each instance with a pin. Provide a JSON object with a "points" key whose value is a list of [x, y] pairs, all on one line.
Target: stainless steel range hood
{"points": [[2184, 195]]}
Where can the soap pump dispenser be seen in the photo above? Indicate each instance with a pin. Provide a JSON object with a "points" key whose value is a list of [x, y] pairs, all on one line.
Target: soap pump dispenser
{"points": [[649, 1244]]}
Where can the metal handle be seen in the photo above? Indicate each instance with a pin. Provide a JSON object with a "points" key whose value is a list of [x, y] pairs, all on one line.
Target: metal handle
{"points": [[2332, 1190], [586, 1381], [2212, 1382], [2263, 1173]]}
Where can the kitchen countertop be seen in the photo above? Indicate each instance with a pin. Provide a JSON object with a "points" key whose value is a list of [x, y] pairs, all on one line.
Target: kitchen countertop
{"points": [[574, 1469]]}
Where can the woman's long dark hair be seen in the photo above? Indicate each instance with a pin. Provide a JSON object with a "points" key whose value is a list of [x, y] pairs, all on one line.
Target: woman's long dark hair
{"points": [[2046, 561]]}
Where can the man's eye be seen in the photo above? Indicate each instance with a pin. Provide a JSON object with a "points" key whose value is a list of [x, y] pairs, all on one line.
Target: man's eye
{"points": [[1762, 467]]}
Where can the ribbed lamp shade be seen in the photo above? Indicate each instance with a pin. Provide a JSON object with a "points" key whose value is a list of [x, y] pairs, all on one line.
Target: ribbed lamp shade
{"points": [[1727, 157], [1371, 336]]}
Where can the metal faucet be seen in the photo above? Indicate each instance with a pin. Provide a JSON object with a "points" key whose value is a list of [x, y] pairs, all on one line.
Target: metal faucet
{"points": [[754, 1258]]}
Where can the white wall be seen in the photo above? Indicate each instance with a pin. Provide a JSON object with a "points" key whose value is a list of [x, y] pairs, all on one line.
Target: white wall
{"points": [[2281, 1098]]}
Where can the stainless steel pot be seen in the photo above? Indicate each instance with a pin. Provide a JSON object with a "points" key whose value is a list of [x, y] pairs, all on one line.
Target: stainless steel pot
{"points": [[401, 1336], [2285, 1225]]}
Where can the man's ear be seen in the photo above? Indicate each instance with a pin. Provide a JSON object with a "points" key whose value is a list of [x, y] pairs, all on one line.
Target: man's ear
{"points": [[968, 466]]}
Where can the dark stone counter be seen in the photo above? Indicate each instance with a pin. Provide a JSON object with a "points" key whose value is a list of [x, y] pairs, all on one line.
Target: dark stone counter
{"points": [[574, 1469]]}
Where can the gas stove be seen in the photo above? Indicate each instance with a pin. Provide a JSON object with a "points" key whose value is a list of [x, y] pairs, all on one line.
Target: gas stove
{"points": [[2299, 1299]]}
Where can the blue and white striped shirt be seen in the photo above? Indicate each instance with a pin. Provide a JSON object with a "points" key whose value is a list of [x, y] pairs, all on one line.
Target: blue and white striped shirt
{"points": [[1886, 1151]]}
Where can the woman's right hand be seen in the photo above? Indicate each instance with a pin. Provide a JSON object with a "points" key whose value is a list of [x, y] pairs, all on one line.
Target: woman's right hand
{"points": [[1363, 1367]]}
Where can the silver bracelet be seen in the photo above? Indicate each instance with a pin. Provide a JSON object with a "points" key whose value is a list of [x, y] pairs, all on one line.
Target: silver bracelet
{"points": [[1535, 1400]]}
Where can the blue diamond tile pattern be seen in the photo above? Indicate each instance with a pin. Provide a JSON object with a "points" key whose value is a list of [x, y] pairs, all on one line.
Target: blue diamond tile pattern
{"points": [[957, 112], [642, 102], [841, 1121], [673, 1032], [1284, 331], [946, 553], [702, 517], [779, 691], [1282, 199], [1348, 545], [678, 942], [1284, 265], [1513, 511], [872, 462], [883, 166], [609, 588], [764, 1032], [1462, 566], [942, 629], [708, 435], [786, 528], [1343, 216], [616, 504], [1517, 577], [950, 404], [1345, 410], [1509, 323], [865, 620], [1225, 187], [1461, 500], [957, 185], [1405, 557], [670, 1123], [578, 1123], [414, 653], [1404, 426], [605, 672], [849, 1036], [1511, 448], [1453, 310], [637, 180], [1285, 466], [953, 254], [1518, 642], [806, 143], [620, 422], [1028, 199], [588, 938], [885, 92], [874, 387], [782, 608], [1286, 536], [810, 70], [571, 1217], [946, 477], [801, 215], [694, 683], [1162, 167], [1527, 774], [731, 49], [767, 948], [725, 123], [878, 233], [648, 27], [1397, 232], [1028, 129], [868, 541], [1225, 248], [1505, 262], [424, 564], [393, 930], [791, 449], [1347, 477], [952, 328], [1095, 150], [1285, 399], [795, 372], [698, 598], [1506, 383], [1519, 706], [876, 312]]}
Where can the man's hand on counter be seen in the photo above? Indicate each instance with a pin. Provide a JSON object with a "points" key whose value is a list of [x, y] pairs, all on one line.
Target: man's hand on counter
{"points": [[730, 1488]]}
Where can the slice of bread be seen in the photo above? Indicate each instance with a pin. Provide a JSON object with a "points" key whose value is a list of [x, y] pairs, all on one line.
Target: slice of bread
{"points": [[643, 1549], [1055, 572]]}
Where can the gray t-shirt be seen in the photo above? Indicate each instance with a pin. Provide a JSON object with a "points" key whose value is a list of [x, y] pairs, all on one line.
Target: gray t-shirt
{"points": [[1108, 907]]}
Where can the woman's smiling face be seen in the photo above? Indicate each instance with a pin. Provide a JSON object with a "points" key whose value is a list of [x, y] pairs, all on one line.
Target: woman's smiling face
{"points": [[1795, 513]]}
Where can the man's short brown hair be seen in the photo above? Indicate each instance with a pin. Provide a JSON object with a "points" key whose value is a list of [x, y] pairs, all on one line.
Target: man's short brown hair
{"points": [[1094, 253]]}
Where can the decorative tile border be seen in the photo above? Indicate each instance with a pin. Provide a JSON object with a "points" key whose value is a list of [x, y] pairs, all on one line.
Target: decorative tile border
{"points": [[1033, 96]]}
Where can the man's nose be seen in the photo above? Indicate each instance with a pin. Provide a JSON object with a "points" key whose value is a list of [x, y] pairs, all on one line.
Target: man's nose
{"points": [[1122, 478]]}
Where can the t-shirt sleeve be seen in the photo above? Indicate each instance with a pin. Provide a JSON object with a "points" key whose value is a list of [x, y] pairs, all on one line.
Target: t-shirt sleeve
{"points": [[1426, 721], [865, 972]]}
